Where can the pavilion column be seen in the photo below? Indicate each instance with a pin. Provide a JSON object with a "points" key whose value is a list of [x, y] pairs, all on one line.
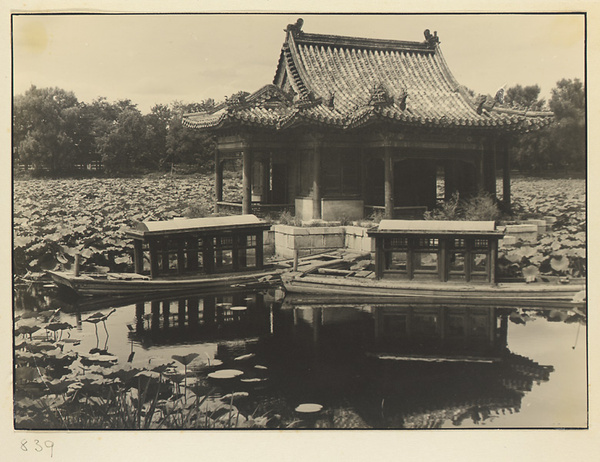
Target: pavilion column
{"points": [[316, 189], [266, 175], [247, 182], [492, 170], [389, 182], [480, 172], [506, 177], [363, 175], [218, 180]]}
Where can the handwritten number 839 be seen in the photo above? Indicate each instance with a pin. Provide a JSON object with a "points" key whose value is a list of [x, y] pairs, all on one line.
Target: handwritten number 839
{"points": [[38, 446]]}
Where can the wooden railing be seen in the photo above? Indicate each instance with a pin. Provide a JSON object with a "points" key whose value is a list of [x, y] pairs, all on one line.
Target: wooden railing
{"points": [[414, 212], [258, 209]]}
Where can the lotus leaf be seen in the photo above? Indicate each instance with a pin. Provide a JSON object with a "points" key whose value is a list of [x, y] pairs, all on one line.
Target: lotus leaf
{"points": [[560, 263], [187, 359]]}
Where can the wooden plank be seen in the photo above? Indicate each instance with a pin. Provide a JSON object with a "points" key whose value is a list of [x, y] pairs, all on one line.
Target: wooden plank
{"points": [[259, 250], [180, 257], [192, 253], [138, 256], [235, 253], [153, 249], [428, 226], [165, 255]]}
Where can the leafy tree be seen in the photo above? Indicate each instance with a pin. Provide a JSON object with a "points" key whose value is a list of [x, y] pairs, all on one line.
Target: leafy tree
{"points": [[55, 133], [562, 144], [524, 97], [568, 141], [47, 129], [157, 128], [188, 146], [123, 145]]}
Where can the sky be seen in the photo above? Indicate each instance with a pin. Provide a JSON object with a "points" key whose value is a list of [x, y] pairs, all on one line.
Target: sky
{"points": [[152, 59]]}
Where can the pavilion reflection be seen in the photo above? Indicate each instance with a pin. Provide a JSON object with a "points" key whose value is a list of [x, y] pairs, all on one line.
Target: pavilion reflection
{"points": [[408, 365]]}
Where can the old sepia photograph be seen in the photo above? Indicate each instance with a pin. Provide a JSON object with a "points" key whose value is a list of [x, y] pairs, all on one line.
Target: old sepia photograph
{"points": [[301, 221]]}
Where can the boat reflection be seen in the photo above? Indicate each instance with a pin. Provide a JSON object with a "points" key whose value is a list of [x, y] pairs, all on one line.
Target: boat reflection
{"points": [[409, 364], [201, 318], [405, 365]]}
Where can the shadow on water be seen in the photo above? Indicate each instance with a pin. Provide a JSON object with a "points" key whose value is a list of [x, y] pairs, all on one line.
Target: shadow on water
{"points": [[407, 364]]}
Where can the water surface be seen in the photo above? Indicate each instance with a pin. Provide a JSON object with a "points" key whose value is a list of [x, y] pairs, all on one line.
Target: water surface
{"points": [[404, 364]]}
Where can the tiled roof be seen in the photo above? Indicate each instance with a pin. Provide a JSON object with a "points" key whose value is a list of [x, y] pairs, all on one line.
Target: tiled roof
{"points": [[346, 82]]}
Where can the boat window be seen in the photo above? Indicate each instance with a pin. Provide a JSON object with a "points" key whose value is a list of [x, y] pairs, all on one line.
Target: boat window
{"points": [[250, 258], [396, 261], [425, 262], [479, 262], [457, 262]]}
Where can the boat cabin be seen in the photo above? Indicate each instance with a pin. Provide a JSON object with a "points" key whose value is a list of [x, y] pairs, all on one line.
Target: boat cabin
{"points": [[206, 245], [436, 250]]}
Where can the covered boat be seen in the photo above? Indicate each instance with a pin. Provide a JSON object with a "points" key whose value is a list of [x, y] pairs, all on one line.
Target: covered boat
{"points": [[184, 254], [435, 259]]}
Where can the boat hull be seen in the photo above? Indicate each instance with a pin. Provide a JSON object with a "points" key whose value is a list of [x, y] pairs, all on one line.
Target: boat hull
{"points": [[349, 286], [102, 285]]}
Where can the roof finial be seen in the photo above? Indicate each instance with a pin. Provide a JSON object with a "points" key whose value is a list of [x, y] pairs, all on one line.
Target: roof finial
{"points": [[296, 28], [500, 95], [432, 40]]}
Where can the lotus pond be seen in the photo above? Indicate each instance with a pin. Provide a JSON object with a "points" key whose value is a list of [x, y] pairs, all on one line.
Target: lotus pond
{"points": [[55, 219], [257, 360], [260, 360]]}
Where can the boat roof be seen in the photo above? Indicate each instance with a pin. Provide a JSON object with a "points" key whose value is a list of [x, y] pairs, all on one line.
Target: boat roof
{"points": [[436, 227], [184, 225]]}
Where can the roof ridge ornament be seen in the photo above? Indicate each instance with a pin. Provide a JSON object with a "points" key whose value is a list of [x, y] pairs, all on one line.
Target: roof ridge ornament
{"points": [[308, 101], [330, 100], [485, 103], [296, 28], [379, 95], [401, 99], [431, 40], [238, 99]]}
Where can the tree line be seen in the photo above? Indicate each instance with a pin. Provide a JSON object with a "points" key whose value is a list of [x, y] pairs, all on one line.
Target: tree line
{"points": [[562, 145], [55, 134]]}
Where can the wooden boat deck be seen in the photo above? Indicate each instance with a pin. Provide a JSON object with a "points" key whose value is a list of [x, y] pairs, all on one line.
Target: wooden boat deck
{"points": [[349, 283]]}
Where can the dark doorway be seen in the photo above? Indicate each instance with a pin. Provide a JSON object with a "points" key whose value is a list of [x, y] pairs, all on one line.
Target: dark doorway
{"points": [[375, 182], [415, 183], [460, 177], [279, 184]]}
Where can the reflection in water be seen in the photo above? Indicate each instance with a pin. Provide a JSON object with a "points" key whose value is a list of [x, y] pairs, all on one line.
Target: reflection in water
{"points": [[375, 365], [203, 318], [403, 366]]}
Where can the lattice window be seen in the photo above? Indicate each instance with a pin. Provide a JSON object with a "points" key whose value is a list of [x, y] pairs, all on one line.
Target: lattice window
{"points": [[395, 243], [481, 244], [460, 243], [428, 243]]}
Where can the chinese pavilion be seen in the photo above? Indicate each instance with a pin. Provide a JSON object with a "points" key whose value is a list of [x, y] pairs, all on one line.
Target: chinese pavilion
{"points": [[353, 125]]}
